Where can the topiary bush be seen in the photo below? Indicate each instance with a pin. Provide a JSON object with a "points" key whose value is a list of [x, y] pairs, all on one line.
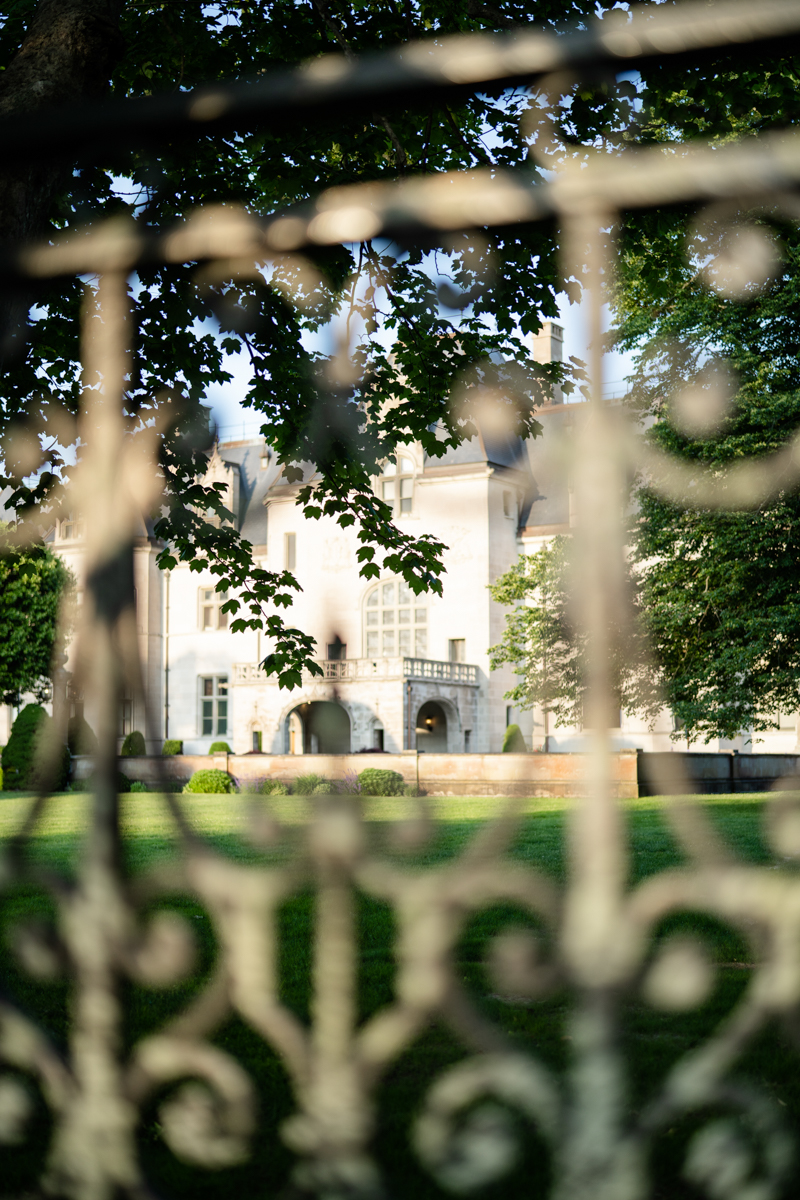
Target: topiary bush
{"points": [[19, 755], [219, 748], [81, 737], [375, 782], [304, 785], [209, 782], [274, 787], [133, 746], [513, 741], [17, 759], [171, 747]]}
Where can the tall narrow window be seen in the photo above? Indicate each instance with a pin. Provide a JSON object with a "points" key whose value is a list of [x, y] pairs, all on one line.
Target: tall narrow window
{"points": [[458, 650], [397, 484], [211, 615], [126, 713], [290, 551], [395, 623], [213, 705]]}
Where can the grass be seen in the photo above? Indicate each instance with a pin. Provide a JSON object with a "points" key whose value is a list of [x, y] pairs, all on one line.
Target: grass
{"points": [[654, 1040]]}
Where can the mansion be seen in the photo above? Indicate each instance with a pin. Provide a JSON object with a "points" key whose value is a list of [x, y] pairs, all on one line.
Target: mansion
{"points": [[399, 671]]}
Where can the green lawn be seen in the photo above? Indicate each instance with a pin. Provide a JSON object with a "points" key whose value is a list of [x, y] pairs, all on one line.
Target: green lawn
{"points": [[654, 1040]]}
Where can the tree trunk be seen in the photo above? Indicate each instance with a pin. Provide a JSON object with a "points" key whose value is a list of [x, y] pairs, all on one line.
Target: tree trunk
{"points": [[68, 54]]}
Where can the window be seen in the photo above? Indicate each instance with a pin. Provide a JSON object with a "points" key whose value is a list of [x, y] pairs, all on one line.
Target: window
{"points": [[467, 740], [214, 706], [126, 713], [337, 651], [509, 505], [290, 551], [395, 623], [71, 529], [211, 614], [458, 650], [397, 484]]}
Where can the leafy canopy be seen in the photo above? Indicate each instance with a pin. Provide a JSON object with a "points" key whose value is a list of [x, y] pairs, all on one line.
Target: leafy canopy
{"points": [[409, 340], [720, 589], [33, 581]]}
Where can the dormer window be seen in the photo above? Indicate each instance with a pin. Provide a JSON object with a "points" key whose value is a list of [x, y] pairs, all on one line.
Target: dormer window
{"points": [[397, 484], [71, 529]]}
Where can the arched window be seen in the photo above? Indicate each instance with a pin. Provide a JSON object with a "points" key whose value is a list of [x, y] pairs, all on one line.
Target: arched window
{"points": [[397, 484], [395, 622]]}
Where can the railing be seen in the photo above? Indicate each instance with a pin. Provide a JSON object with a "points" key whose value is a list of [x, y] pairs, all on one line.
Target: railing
{"points": [[445, 672], [346, 669]]}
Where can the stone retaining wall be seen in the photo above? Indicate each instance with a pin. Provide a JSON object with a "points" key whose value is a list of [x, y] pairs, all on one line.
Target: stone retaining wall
{"points": [[436, 774]]}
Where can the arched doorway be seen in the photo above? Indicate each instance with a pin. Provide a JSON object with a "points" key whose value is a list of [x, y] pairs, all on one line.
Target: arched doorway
{"points": [[325, 727], [431, 729]]}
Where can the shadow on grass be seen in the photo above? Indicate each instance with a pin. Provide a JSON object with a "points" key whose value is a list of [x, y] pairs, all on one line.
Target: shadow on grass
{"points": [[653, 1041]]}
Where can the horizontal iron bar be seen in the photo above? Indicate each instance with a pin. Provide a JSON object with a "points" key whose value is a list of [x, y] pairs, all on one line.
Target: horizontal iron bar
{"points": [[422, 71], [753, 171]]}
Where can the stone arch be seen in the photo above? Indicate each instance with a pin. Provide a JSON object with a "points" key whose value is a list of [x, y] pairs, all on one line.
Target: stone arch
{"points": [[326, 726], [437, 725]]}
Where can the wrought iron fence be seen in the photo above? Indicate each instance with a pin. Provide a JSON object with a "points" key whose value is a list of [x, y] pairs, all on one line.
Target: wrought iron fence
{"points": [[98, 1105]]}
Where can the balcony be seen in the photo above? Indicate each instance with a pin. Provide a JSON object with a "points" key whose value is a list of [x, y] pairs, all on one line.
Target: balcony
{"points": [[352, 669]]}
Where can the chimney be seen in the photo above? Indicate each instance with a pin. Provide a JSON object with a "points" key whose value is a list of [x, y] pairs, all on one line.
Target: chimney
{"points": [[548, 346]]}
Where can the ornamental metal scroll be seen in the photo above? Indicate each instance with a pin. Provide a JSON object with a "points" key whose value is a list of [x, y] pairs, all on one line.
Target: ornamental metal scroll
{"points": [[112, 1101]]}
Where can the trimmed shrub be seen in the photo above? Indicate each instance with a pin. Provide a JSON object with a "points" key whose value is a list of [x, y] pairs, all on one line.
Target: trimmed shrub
{"points": [[81, 737], [322, 789], [219, 748], [209, 782], [171, 747], [19, 756], [274, 787], [133, 746], [304, 785], [375, 782], [513, 741], [138, 786]]}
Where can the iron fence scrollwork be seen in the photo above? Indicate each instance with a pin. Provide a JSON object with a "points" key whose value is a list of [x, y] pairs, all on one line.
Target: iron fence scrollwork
{"points": [[596, 942]]}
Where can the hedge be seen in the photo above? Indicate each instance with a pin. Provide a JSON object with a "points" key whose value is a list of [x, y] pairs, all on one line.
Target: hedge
{"points": [[376, 782], [210, 781], [513, 741], [171, 747], [219, 748], [19, 756], [81, 737], [133, 746]]}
